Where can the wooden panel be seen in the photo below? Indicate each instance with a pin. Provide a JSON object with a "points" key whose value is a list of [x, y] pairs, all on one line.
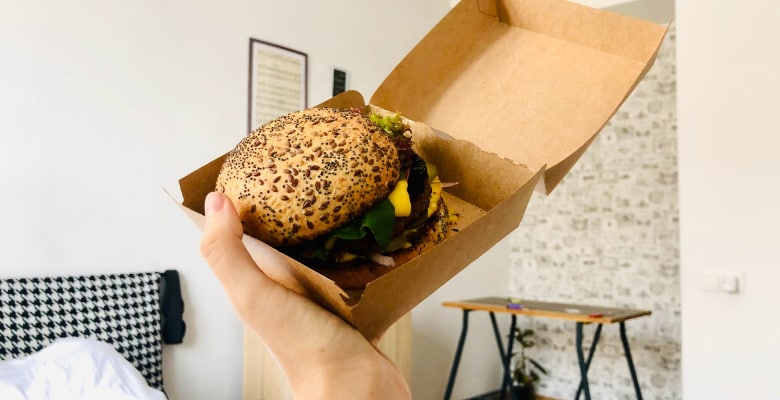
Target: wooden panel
{"points": [[397, 345], [263, 379]]}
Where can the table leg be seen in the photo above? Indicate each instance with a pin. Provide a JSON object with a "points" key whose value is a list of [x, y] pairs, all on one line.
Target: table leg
{"points": [[510, 345], [590, 356], [583, 367], [631, 369], [506, 358], [458, 351]]}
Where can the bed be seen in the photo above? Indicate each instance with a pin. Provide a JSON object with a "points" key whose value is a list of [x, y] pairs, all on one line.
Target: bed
{"points": [[81, 332]]}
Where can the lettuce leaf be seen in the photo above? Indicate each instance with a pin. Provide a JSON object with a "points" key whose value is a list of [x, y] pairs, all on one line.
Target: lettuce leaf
{"points": [[393, 125], [378, 221]]}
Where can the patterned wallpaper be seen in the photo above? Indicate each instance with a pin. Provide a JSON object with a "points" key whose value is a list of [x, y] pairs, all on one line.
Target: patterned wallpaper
{"points": [[608, 235]]}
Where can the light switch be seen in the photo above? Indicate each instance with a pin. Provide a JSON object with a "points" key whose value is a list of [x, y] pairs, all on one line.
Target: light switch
{"points": [[721, 281]]}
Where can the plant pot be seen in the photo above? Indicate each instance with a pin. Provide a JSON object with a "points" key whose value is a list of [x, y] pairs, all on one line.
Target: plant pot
{"points": [[523, 392]]}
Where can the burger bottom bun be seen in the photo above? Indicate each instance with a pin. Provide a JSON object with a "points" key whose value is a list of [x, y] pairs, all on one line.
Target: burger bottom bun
{"points": [[355, 276]]}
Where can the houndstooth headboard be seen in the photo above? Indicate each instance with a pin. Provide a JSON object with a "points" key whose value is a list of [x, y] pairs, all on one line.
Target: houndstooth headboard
{"points": [[134, 312]]}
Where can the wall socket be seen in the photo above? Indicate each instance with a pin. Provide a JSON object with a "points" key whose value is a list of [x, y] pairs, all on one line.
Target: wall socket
{"points": [[722, 281]]}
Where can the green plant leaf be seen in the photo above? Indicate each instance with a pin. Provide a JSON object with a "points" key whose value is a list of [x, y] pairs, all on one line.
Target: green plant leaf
{"points": [[537, 365]]}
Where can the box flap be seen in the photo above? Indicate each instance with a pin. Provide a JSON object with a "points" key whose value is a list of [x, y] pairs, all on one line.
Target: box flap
{"points": [[525, 85]]}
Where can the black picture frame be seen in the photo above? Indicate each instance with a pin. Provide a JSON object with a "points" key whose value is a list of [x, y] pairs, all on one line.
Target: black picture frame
{"points": [[277, 82]]}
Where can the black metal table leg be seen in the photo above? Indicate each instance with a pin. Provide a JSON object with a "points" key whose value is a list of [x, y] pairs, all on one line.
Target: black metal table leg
{"points": [[506, 357], [631, 369], [507, 366], [590, 356], [456, 361], [581, 360]]}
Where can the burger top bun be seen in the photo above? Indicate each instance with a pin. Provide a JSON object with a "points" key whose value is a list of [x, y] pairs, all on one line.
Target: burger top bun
{"points": [[307, 173]]}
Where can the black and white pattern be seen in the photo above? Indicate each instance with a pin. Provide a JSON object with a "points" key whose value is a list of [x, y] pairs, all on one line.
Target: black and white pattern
{"points": [[120, 309]]}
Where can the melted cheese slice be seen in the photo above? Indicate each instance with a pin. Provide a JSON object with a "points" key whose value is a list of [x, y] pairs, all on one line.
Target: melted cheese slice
{"points": [[399, 197]]}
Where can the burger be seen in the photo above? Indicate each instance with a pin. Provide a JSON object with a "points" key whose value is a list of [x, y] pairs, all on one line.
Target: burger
{"points": [[340, 190]]}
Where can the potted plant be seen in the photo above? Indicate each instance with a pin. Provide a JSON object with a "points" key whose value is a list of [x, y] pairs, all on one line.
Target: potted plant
{"points": [[526, 371]]}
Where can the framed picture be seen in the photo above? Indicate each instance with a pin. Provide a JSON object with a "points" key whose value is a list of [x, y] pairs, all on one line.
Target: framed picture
{"points": [[277, 82]]}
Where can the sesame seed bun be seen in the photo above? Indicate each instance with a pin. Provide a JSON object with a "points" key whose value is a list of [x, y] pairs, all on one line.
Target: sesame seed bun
{"points": [[307, 173]]}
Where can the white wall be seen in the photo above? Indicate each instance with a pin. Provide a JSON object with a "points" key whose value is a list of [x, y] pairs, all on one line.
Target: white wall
{"points": [[728, 85], [104, 103]]}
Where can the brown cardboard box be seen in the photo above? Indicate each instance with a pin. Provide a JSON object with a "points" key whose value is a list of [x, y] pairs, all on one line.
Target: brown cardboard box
{"points": [[521, 88]]}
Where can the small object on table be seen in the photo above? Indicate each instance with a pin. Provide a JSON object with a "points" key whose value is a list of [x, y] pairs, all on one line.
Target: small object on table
{"points": [[514, 303]]}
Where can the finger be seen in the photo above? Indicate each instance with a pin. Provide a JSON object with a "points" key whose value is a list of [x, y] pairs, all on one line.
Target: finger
{"points": [[224, 251], [252, 292], [265, 306], [221, 244]]}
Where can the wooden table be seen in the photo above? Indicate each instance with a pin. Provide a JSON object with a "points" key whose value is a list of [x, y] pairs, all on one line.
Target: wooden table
{"points": [[579, 313]]}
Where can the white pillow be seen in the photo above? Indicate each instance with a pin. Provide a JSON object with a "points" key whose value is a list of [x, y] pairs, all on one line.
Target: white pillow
{"points": [[74, 368]]}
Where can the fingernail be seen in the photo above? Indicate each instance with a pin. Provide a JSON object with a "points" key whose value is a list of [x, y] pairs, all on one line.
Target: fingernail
{"points": [[214, 202]]}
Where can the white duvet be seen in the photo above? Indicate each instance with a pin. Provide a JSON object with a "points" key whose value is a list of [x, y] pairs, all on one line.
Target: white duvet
{"points": [[74, 368]]}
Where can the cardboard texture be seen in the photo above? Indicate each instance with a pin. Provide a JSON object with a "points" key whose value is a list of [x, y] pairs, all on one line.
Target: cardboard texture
{"points": [[521, 88]]}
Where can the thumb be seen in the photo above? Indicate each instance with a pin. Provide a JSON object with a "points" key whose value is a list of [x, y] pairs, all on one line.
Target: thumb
{"points": [[221, 244], [267, 307], [222, 248]]}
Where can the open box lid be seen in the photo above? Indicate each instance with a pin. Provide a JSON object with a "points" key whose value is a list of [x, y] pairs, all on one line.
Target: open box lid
{"points": [[525, 85]]}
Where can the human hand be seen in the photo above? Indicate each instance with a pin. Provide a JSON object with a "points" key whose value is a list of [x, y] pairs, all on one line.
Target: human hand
{"points": [[322, 356]]}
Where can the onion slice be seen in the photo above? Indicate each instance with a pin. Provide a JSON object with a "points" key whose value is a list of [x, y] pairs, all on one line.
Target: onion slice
{"points": [[382, 260]]}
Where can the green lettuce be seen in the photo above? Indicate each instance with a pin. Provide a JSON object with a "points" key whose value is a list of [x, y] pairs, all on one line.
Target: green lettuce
{"points": [[393, 125], [378, 221]]}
